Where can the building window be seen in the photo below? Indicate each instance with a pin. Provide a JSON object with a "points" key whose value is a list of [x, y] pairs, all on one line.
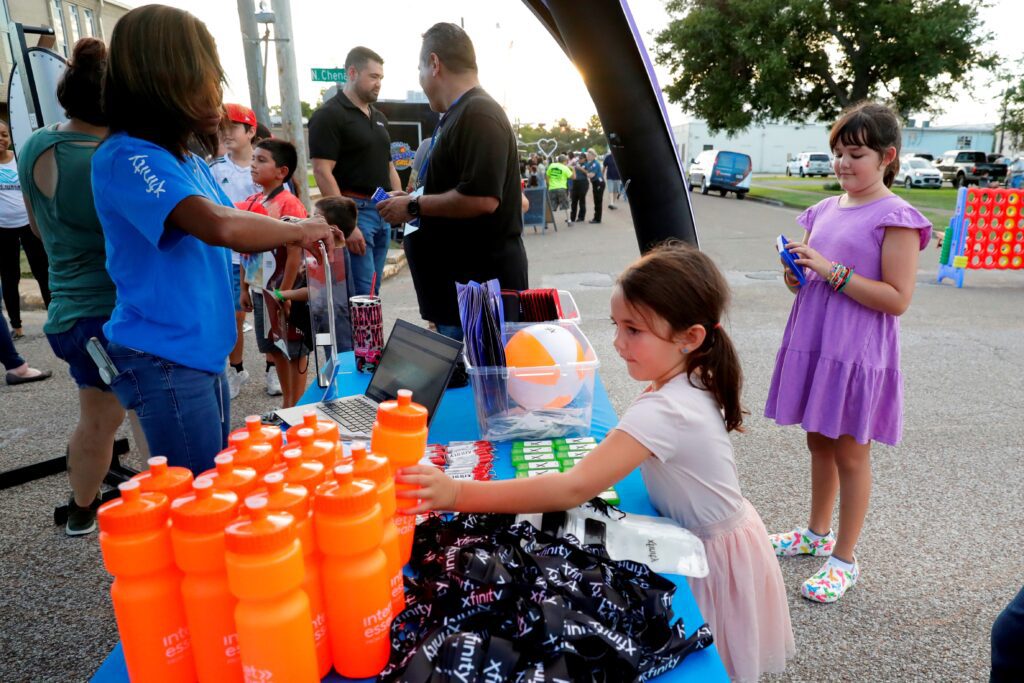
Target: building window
{"points": [[76, 25], [89, 28], [963, 142], [57, 15]]}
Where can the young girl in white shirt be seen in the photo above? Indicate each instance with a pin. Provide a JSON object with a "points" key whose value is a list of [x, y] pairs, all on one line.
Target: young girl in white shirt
{"points": [[666, 309]]}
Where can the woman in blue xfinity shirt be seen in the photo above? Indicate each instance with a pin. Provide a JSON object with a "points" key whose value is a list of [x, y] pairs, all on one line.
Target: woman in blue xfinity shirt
{"points": [[168, 230]]}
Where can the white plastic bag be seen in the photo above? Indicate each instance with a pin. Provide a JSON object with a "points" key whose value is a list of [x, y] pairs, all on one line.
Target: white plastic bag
{"points": [[660, 543]]}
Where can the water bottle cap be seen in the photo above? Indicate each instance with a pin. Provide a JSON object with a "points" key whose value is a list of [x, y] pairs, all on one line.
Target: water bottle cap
{"points": [[135, 511], [255, 454], [284, 497], [254, 424], [345, 495], [373, 467], [308, 473], [260, 531], [227, 476], [161, 478], [205, 510], [306, 435], [358, 450], [402, 414]]}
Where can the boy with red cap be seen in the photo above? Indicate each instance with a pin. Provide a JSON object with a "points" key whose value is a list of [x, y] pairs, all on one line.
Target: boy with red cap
{"points": [[233, 173]]}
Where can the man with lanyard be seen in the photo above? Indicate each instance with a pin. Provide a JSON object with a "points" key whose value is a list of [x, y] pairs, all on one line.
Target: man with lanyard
{"points": [[470, 210], [351, 152]]}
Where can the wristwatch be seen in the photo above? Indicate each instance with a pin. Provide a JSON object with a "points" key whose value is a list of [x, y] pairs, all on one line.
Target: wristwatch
{"points": [[414, 207]]}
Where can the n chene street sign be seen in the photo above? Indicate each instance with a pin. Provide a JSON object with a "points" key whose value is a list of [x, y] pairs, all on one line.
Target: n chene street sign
{"points": [[329, 75]]}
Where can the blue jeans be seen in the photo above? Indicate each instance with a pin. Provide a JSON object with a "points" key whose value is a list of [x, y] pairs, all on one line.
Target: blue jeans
{"points": [[451, 331], [184, 412], [1007, 638], [8, 354], [377, 234]]}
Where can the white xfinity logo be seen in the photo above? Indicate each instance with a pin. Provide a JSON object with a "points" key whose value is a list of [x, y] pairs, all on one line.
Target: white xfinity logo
{"points": [[153, 184]]}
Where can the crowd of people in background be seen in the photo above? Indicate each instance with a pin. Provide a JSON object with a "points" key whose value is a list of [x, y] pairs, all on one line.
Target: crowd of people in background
{"points": [[569, 178]]}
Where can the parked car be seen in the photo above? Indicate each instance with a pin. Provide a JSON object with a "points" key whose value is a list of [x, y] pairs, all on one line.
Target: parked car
{"points": [[810, 163], [969, 167], [715, 169], [924, 155], [916, 172]]}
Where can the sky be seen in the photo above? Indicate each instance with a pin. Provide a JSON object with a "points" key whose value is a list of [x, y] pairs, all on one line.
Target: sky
{"points": [[519, 62]]}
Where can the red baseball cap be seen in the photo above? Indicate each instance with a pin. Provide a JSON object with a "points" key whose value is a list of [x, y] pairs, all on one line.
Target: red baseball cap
{"points": [[239, 113]]}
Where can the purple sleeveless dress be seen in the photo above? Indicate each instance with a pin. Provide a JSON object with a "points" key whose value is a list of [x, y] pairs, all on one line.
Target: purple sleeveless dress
{"points": [[838, 370]]}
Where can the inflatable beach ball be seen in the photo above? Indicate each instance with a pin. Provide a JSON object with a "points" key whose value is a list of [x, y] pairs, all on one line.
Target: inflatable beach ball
{"points": [[540, 376]]}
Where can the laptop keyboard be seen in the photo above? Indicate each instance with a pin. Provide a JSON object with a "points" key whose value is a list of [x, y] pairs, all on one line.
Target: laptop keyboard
{"points": [[355, 415]]}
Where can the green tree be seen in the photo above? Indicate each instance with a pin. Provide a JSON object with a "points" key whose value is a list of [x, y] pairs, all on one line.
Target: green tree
{"points": [[1012, 108], [567, 137], [739, 62]]}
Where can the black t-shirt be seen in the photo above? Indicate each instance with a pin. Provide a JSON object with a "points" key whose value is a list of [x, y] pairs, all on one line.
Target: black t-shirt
{"points": [[359, 145], [475, 153]]}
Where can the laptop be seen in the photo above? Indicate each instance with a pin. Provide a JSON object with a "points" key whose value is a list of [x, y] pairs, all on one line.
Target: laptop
{"points": [[414, 358]]}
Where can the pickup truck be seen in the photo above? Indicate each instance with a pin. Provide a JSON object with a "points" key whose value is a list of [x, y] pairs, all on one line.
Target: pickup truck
{"points": [[969, 167]]}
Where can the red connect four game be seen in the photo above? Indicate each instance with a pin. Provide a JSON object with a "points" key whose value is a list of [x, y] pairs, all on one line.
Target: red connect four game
{"points": [[986, 232]]}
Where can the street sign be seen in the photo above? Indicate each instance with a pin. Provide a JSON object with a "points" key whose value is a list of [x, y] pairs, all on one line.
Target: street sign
{"points": [[329, 75]]}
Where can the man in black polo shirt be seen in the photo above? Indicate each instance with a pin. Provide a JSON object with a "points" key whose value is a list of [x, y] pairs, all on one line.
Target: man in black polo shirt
{"points": [[470, 212], [351, 152]]}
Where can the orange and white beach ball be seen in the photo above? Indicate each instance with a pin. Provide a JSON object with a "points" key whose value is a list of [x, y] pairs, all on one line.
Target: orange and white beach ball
{"points": [[540, 374]]}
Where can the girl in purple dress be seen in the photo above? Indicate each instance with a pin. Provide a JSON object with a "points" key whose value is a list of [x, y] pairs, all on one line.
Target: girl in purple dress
{"points": [[837, 373]]}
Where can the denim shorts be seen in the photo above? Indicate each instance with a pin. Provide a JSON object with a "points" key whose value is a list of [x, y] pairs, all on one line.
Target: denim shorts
{"points": [[69, 346]]}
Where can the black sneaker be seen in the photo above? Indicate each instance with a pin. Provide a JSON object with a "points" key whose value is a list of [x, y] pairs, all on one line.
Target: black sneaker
{"points": [[81, 521]]}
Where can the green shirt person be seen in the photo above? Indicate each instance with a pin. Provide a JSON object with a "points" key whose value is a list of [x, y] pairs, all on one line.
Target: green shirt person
{"points": [[558, 175]]}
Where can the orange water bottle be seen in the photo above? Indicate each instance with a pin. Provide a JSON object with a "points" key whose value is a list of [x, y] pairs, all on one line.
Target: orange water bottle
{"points": [[265, 572], [260, 456], [400, 435], [366, 465], [160, 478], [294, 499], [227, 476], [135, 537], [349, 526], [324, 430], [261, 433], [314, 449], [197, 536]]}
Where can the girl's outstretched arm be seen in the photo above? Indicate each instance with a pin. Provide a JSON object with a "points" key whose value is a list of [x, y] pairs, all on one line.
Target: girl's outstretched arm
{"points": [[891, 294], [614, 458]]}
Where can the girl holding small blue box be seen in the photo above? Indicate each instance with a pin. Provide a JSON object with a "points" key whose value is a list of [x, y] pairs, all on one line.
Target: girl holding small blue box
{"points": [[837, 373]]}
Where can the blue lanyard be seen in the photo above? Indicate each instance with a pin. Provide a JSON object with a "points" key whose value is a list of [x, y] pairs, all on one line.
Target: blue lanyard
{"points": [[421, 178]]}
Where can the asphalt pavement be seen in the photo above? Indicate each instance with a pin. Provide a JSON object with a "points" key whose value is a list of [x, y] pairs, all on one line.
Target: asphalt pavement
{"points": [[940, 553]]}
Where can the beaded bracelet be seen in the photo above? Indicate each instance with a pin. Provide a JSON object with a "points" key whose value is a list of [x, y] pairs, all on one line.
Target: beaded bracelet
{"points": [[839, 277]]}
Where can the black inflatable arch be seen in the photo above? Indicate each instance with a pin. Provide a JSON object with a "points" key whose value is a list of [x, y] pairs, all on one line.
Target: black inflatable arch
{"points": [[602, 39]]}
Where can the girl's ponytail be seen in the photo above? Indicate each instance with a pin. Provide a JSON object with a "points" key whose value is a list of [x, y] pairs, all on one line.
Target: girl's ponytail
{"points": [[720, 373], [683, 286]]}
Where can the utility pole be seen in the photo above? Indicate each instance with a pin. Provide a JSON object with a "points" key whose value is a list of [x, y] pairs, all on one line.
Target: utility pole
{"points": [[291, 110], [253, 63]]}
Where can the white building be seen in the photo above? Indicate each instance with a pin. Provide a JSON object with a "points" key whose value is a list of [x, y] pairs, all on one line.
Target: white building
{"points": [[772, 145]]}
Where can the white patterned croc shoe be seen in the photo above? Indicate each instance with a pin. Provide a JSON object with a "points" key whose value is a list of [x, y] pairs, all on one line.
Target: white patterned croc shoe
{"points": [[830, 583], [798, 542]]}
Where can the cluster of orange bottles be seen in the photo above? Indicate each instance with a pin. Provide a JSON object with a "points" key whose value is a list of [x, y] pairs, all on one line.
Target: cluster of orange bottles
{"points": [[282, 561]]}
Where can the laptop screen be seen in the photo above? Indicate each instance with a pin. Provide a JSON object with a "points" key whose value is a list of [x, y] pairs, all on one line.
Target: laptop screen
{"points": [[416, 359]]}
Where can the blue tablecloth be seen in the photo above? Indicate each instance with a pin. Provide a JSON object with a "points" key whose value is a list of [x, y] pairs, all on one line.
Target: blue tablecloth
{"points": [[456, 421]]}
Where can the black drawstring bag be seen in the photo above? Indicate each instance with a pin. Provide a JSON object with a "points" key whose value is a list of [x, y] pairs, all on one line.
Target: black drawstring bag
{"points": [[498, 601]]}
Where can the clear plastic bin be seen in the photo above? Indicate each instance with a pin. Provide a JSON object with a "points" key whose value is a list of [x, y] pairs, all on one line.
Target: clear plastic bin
{"points": [[502, 418]]}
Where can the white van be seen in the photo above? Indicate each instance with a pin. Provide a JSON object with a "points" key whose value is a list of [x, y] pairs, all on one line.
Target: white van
{"points": [[715, 169], [810, 163]]}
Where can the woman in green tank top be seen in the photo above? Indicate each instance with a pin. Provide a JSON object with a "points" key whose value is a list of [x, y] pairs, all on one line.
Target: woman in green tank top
{"points": [[54, 164]]}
